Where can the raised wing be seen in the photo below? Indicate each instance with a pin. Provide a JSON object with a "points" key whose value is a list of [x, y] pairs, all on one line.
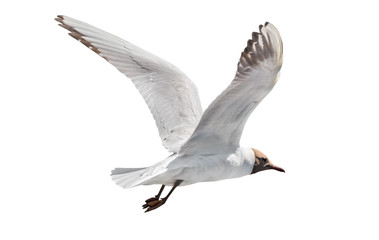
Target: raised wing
{"points": [[170, 95], [222, 123]]}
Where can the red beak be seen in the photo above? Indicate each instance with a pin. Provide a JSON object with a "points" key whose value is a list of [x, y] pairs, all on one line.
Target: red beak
{"points": [[278, 168]]}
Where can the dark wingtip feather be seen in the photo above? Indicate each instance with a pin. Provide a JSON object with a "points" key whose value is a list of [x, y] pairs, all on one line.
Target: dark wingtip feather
{"points": [[258, 48], [65, 26], [77, 35], [255, 36], [58, 19]]}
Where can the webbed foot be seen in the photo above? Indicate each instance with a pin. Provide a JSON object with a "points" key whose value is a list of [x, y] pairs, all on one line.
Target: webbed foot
{"points": [[153, 203]]}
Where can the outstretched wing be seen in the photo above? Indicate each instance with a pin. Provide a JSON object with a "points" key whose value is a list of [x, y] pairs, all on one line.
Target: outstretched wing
{"points": [[170, 95], [258, 70]]}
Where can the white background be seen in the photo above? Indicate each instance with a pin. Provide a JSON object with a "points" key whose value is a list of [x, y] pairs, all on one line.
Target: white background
{"points": [[68, 118]]}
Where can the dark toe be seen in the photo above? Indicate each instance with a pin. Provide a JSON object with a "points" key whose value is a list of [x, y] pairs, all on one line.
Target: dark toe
{"points": [[151, 203], [151, 199], [155, 204]]}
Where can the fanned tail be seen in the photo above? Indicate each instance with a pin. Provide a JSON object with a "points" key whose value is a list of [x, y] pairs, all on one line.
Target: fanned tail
{"points": [[128, 177]]}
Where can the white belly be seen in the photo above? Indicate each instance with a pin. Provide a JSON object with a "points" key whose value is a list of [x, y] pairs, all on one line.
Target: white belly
{"points": [[213, 167]]}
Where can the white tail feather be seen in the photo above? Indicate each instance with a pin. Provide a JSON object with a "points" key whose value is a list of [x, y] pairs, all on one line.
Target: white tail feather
{"points": [[128, 177]]}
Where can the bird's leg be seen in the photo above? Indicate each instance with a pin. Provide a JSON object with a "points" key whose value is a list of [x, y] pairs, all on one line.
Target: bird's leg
{"points": [[156, 196], [154, 203]]}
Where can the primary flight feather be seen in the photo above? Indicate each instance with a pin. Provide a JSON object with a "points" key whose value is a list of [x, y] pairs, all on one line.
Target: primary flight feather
{"points": [[204, 146]]}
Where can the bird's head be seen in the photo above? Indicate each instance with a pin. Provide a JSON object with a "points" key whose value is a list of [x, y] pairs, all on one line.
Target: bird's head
{"points": [[262, 163]]}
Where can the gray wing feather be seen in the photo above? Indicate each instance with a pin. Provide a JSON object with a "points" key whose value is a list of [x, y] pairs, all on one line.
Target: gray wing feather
{"points": [[258, 70], [170, 95]]}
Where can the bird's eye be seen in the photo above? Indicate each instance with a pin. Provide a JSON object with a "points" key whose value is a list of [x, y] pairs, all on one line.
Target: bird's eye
{"points": [[262, 159]]}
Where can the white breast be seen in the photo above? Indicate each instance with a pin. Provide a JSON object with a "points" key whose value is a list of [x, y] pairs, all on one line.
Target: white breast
{"points": [[200, 168]]}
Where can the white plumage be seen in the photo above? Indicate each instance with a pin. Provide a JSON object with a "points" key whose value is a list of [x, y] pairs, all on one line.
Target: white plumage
{"points": [[170, 95], [205, 146]]}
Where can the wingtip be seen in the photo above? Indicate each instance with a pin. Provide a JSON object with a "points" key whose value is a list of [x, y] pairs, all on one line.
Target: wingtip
{"points": [[77, 35], [263, 45], [263, 25], [59, 18]]}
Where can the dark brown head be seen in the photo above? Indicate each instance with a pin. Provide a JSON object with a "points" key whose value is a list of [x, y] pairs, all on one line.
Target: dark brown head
{"points": [[262, 163]]}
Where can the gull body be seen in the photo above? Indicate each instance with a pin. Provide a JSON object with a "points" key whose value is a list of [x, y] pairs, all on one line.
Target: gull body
{"points": [[204, 145], [197, 168]]}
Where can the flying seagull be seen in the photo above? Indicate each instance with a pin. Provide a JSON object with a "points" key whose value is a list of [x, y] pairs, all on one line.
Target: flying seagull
{"points": [[204, 145]]}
